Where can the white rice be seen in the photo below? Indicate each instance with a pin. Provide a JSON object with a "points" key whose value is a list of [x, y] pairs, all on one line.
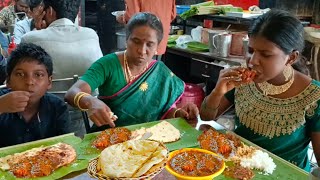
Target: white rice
{"points": [[259, 160]]}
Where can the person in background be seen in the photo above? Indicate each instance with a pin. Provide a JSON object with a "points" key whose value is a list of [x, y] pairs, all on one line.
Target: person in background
{"points": [[279, 110], [131, 85], [9, 14], [3, 64], [26, 25], [73, 49], [27, 112], [21, 28], [164, 9], [4, 53]]}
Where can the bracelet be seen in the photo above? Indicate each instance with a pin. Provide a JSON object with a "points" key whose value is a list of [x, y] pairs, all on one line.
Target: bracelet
{"points": [[175, 111], [77, 99], [204, 103]]}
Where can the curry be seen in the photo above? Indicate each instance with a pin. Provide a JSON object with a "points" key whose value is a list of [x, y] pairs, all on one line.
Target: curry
{"points": [[223, 144], [112, 136], [195, 163]]}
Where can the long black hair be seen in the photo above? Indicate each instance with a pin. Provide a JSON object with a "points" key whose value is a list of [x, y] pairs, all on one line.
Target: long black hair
{"points": [[284, 30]]}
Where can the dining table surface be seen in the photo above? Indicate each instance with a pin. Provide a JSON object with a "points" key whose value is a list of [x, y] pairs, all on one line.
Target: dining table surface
{"points": [[190, 131]]}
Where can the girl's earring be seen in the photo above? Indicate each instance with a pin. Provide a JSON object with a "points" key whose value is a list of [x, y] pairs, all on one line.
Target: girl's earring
{"points": [[287, 72], [156, 52]]}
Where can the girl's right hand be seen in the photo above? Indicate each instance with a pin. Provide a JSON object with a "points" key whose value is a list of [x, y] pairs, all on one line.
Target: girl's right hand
{"points": [[100, 113], [231, 78]]}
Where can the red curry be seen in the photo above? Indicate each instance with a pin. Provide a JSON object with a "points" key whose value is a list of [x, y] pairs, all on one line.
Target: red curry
{"points": [[195, 163], [112, 136]]}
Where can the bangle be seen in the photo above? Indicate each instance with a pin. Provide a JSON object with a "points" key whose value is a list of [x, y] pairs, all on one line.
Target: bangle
{"points": [[175, 111], [77, 99], [204, 103]]}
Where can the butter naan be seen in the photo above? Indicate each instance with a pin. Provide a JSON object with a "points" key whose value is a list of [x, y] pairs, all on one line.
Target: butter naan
{"points": [[163, 132], [38, 162], [132, 158]]}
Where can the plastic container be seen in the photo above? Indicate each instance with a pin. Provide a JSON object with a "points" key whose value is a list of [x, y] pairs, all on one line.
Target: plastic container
{"points": [[192, 94], [182, 8]]}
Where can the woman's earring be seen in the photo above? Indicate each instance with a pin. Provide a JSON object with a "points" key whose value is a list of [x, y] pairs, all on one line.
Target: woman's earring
{"points": [[287, 72], [156, 52]]}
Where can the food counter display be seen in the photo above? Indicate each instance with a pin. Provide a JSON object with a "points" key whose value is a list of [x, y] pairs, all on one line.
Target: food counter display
{"points": [[188, 137]]}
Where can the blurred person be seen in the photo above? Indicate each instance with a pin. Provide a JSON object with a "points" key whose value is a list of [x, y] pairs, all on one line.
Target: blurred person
{"points": [[165, 10], [72, 48], [17, 10], [27, 111], [26, 25]]}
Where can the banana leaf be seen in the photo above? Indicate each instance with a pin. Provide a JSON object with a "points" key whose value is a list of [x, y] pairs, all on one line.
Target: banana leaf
{"points": [[188, 138], [59, 173], [198, 47]]}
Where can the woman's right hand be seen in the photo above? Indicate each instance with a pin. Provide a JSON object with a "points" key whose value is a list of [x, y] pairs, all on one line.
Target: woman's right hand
{"points": [[100, 113]]}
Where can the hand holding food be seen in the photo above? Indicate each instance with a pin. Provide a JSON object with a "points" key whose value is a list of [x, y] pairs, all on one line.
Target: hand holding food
{"points": [[100, 113], [233, 77], [15, 101], [247, 75]]}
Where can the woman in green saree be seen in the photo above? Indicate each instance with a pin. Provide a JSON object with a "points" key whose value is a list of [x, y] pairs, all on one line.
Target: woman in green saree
{"points": [[279, 109], [131, 85]]}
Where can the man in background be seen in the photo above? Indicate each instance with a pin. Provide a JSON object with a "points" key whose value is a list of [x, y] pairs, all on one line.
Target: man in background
{"points": [[73, 49], [165, 10], [17, 10]]}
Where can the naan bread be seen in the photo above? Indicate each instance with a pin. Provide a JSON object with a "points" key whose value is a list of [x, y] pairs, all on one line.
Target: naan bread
{"points": [[158, 156], [131, 158], [38, 162], [163, 132]]}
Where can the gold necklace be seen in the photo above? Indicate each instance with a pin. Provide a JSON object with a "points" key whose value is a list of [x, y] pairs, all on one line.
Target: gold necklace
{"points": [[270, 89], [127, 71]]}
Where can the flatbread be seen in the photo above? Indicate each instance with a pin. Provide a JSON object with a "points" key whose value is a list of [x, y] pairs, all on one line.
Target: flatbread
{"points": [[57, 155], [132, 158], [156, 158], [162, 132]]}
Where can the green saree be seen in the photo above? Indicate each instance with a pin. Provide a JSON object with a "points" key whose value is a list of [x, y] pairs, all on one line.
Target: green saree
{"points": [[147, 98]]}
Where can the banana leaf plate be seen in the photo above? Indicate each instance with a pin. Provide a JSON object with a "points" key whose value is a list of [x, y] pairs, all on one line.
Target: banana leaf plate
{"points": [[71, 139], [284, 169], [188, 138]]}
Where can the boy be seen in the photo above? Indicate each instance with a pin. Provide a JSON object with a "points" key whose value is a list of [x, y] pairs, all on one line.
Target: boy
{"points": [[27, 112]]}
